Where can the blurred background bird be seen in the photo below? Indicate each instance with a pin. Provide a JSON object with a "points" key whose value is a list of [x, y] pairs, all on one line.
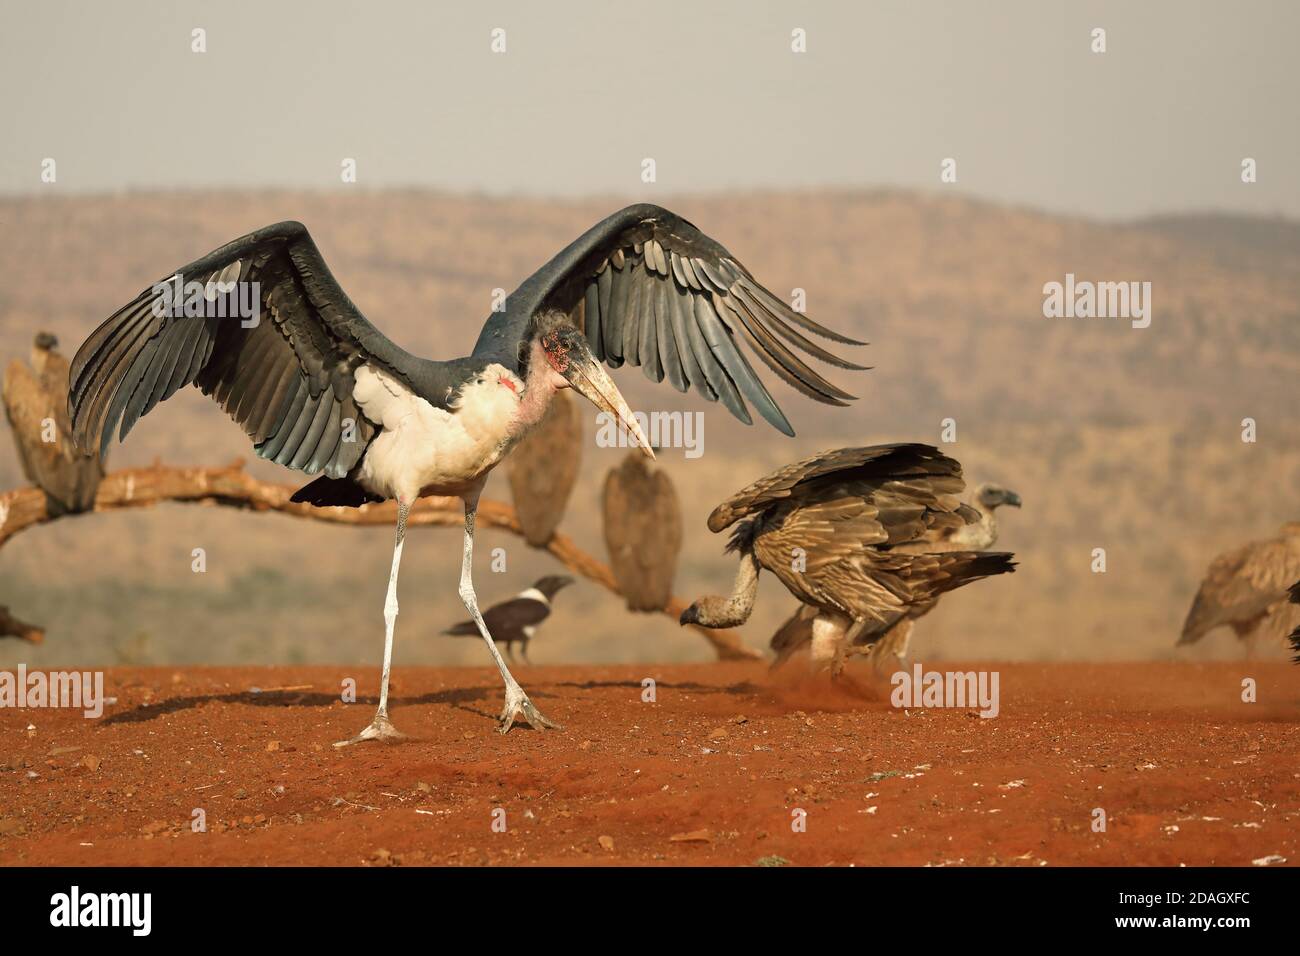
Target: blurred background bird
{"points": [[643, 532], [515, 621], [1246, 589], [834, 529], [36, 404], [543, 467]]}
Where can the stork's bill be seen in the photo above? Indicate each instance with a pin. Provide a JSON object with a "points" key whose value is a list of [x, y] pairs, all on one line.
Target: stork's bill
{"points": [[568, 353]]}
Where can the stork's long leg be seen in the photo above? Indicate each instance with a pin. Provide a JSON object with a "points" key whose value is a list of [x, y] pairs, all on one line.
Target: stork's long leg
{"points": [[381, 728], [517, 701]]}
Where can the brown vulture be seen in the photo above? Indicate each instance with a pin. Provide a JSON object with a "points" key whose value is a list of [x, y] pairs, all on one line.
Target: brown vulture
{"points": [[835, 528], [1246, 589]]}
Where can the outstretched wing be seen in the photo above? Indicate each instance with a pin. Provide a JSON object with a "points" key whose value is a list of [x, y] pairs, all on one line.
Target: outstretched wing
{"points": [[871, 464], [286, 376], [650, 289]]}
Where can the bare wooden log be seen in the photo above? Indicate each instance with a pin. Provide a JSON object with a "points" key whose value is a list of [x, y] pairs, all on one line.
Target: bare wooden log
{"points": [[231, 486]]}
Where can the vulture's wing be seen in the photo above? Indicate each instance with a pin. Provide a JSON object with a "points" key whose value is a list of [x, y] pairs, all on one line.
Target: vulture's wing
{"points": [[650, 289], [933, 479], [1242, 584], [287, 380], [846, 564]]}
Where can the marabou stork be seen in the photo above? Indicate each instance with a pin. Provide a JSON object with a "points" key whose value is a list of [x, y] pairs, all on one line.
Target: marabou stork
{"points": [[319, 389], [834, 528], [516, 620], [1246, 589], [892, 642], [36, 406]]}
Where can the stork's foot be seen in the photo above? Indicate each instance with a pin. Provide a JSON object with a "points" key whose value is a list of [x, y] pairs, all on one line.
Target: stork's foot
{"points": [[517, 705], [381, 728]]}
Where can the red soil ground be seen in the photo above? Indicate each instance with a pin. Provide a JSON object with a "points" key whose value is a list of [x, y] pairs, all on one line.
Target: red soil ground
{"points": [[710, 773]]}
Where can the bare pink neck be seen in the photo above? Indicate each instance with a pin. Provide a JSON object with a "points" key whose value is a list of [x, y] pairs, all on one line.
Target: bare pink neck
{"points": [[538, 392]]}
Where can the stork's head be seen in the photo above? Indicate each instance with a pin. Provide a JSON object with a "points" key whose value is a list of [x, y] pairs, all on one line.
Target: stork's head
{"points": [[992, 496], [571, 364]]}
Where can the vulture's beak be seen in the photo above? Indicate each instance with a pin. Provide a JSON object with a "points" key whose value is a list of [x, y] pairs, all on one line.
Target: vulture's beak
{"points": [[1012, 499], [589, 378]]}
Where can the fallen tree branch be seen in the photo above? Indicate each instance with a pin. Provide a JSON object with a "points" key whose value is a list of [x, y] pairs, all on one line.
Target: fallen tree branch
{"points": [[11, 626], [231, 486]]}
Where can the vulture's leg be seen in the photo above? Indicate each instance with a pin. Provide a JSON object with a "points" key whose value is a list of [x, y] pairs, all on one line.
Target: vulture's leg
{"points": [[517, 701], [892, 645], [523, 651], [793, 635], [510, 652], [828, 644], [381, 728]]}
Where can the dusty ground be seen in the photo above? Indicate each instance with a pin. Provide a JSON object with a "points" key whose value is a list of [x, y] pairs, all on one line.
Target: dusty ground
{"points": [[710, 773]]}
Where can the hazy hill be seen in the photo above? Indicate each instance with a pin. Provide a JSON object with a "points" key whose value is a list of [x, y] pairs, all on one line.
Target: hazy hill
{"points": [[1122, 438]]}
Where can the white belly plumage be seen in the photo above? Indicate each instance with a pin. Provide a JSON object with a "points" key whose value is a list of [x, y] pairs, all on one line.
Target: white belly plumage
{"points": [[422, 449]]}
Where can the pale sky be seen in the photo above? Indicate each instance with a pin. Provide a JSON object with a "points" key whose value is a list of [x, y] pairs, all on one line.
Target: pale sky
{"points": [[710, 90]]}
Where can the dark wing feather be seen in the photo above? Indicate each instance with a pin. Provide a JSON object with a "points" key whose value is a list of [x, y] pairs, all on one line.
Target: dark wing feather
{"points": [[687, 303], [287, 379], [872, 464]]}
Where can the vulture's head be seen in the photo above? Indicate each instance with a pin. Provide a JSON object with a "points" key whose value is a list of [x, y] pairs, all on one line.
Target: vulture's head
{"points": [[991, 497]]}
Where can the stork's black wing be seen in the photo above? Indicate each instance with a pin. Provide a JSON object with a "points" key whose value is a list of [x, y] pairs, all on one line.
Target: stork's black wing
{"points": [[287, 378], [651, 290]]}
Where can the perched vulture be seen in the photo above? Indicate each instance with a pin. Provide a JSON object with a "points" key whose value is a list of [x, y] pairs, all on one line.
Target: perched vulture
{"points": [[36, 404], [834, 529], [1246, 589], [516, 621], [643, 532], [543, 467]]}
